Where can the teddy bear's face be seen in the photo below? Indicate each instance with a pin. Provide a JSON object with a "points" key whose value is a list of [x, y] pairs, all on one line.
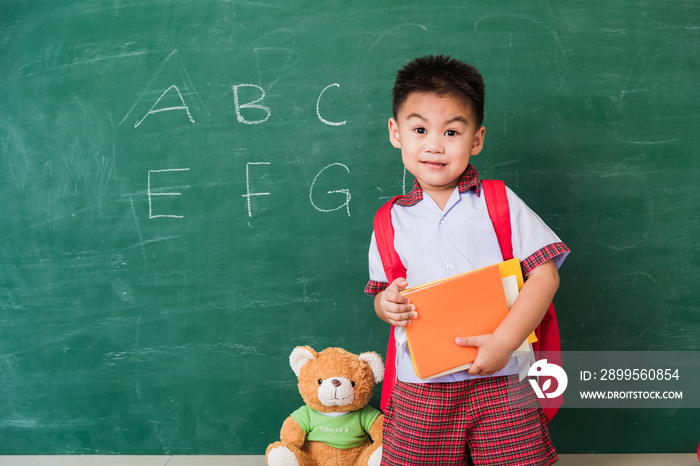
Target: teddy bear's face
{"points": [[336, 391], [335, 380]]}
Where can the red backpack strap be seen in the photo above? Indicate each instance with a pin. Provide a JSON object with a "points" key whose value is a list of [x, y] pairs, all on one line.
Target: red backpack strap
{"points": [[384, 235], [548, 338], [548, 344], [497, 205], [393, 268]]}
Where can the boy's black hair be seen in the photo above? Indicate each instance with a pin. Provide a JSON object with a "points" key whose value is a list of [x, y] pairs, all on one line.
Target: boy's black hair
{"points": [[441, 75]]}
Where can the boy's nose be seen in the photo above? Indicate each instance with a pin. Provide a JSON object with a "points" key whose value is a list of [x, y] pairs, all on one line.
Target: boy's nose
{"points": [[434, 145]]}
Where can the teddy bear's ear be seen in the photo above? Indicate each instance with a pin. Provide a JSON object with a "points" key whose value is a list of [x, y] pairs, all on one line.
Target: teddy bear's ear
{"points": [[300, 356], [375, 364]]}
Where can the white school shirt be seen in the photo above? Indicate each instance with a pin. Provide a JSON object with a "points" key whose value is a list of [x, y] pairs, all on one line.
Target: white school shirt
{"points": [[434, 244]]}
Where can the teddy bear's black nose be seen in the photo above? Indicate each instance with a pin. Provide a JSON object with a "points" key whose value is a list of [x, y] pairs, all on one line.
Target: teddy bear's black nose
{"points": [[336, 382]]}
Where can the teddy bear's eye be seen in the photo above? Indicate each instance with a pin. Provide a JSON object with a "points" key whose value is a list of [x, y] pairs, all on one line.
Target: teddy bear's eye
{"points": [[320, 381], [353, 383]]}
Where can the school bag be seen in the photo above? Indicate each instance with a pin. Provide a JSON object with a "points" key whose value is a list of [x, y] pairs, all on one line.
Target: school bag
{"points": [[548, 339]]}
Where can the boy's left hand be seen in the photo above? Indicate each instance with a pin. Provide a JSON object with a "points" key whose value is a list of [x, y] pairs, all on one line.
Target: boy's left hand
{"points": [[492, 355], [525, 314]]}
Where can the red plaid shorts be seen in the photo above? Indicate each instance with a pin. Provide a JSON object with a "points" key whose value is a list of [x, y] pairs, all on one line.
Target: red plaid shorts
{"points": [[474, 422]]}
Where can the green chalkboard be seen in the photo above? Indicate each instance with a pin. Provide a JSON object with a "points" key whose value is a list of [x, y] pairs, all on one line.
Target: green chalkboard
{"points": [[187, 190]]}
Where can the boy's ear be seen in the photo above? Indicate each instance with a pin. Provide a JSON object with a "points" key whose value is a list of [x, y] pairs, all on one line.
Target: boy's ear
{"points": [[394, 136], [478, 142]]}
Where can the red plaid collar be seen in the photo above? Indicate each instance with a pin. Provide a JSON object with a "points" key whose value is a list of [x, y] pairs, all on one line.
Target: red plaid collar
{"points": [[468, 180]]}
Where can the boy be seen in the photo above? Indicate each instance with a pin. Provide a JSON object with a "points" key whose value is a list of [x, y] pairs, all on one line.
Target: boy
{"points": [[442, 228]]}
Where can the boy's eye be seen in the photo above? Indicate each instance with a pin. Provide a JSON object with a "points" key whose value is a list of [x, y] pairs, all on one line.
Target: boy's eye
{"points": [[420, 130], [450, 132]]}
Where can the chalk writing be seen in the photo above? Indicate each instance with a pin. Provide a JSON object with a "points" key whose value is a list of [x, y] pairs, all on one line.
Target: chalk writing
{"points": [[185, 83], [318, 112], [167, 109], [151, 194], [345, 204], [242, 108], [254, 104], [248, 194], [249, 107]]}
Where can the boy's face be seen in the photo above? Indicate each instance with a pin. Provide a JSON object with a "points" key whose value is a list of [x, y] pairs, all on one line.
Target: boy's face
{"points": [[436, 135]]}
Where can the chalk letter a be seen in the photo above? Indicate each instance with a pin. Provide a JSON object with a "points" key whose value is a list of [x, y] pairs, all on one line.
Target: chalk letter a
{"points": [[167, 109], [173, 60]]}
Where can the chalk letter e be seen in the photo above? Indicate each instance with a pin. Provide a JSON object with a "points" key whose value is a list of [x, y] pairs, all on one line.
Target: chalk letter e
{"points": [[151, 194]]}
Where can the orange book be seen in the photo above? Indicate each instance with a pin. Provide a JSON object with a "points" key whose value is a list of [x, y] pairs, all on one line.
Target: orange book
{"points": [[469, 304]]}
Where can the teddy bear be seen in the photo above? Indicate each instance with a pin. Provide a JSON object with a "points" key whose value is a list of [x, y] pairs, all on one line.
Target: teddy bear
{"points": [[335, 426]]}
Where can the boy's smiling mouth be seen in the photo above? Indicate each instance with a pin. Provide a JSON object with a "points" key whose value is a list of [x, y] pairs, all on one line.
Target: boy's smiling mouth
{"points": [[433, 164]]}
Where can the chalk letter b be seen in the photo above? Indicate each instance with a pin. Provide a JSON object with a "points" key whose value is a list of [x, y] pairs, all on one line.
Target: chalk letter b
{"points": [[252, 104]]}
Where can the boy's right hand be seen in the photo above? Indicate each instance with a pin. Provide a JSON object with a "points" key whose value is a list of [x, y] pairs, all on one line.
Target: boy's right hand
{"points": [[393, 307]]}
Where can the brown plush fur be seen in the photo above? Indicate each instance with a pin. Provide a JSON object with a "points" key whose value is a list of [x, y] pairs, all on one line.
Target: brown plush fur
{"points": [[329, 363]]}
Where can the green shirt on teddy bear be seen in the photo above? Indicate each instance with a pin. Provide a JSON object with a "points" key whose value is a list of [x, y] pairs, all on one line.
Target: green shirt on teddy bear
{"points": [[345, 431]]}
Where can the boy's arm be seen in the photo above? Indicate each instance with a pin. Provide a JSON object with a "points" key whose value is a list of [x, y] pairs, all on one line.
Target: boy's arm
{"points": [[525, 315], [393, 307]]}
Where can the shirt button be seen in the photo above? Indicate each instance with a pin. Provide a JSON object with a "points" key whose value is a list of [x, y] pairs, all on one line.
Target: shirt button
{"points": [[450, 267], [443, 220]]}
